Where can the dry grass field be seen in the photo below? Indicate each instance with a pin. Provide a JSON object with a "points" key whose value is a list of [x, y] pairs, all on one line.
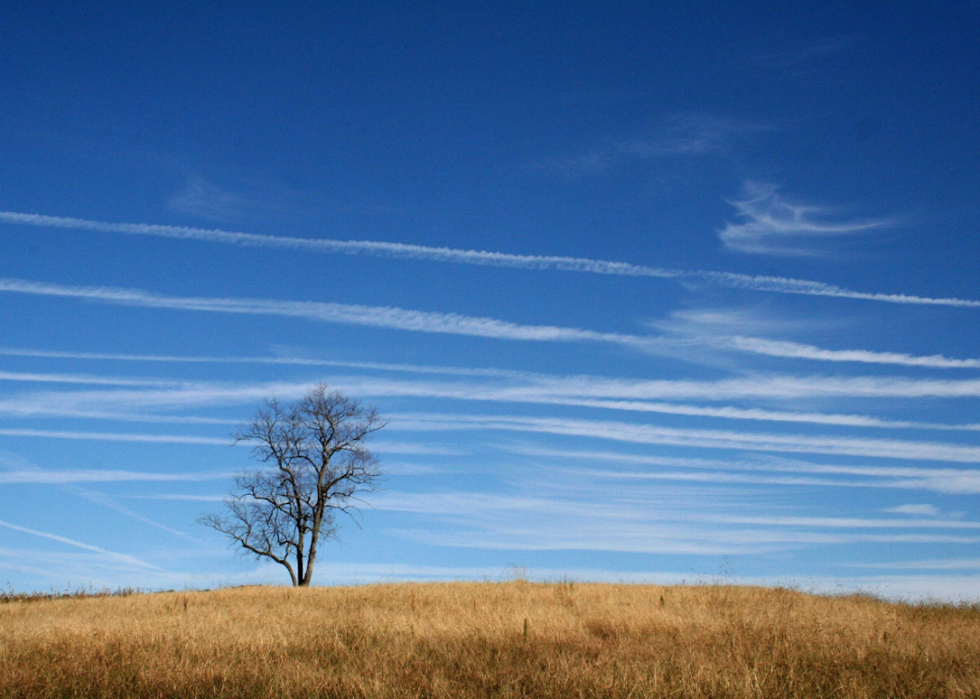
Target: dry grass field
{"points": [[515, 639]]}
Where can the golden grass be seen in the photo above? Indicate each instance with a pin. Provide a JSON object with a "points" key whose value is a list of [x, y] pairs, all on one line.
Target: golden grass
{"points": [[514, 639]]}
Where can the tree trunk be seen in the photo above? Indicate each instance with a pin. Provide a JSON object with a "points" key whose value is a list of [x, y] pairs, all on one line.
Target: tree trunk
{"points": [[300, 572], [308, 575]]}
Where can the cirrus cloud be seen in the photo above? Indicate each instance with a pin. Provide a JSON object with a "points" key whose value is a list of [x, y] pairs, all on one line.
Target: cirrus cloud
{"points": [[770, 224]]}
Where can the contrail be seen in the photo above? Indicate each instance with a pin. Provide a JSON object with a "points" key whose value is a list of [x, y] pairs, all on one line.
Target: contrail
{"points": [[703, 438], [782, 285], [351, 247], [779, 348], [580, 391], [113, 436], [350, 314], [88, 547]]}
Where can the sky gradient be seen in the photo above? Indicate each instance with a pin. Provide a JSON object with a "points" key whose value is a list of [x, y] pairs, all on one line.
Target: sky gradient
{"points": [[647, 292]]}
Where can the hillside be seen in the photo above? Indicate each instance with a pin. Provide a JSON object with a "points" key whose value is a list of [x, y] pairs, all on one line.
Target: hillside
{"points": [[513, 639]]}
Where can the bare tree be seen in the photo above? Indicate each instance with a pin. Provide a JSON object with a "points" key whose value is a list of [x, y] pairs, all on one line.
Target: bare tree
{"points": [[317, 466]]}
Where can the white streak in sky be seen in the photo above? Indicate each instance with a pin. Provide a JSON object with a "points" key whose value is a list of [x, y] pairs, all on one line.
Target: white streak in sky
{"points": [[781, 285], [753, 345], [772, 225], [298, 361], [942, 480], [764, 386], [916, 510], [47, 477], [71, 542], [654, 523], [68, 480], [947, 564], [784, 285], [734, 413], [760, 464], [372, 316], [113, 436], [187, 498], [769, 387], [596, 429], [582, 391], [703, 438], [779, 348], [34, 377], [365, 247], [548, 393]]}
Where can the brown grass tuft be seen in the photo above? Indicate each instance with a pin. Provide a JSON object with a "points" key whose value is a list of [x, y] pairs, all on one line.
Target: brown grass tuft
{"points": [[514, 639]]}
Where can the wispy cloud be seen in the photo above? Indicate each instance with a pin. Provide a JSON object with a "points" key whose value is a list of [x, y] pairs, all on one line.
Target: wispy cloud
{"points": [[713, 333], [939, 564], [274, 360], [665, 519], [690, 134], [608, 394], [114, 436], [24, 472], [918, 510], [516, 521], [130, 560], [773, 225], [691, 330], [350, 314], [60, 570], [940, 480], [960, 483], [249, 199], [784, 285], [703, 438], [843, 522], [597, 429], [202, 198], [37, 377], [794, 350], [775, 387], [109, 503], [726, 329], [46, 409], [74, 476], [181, 497], [511, 387], [763, 283], [354, 247]]}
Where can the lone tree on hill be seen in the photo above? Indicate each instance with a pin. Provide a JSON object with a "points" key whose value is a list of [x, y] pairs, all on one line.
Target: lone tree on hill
{"points": [[318, 465]]}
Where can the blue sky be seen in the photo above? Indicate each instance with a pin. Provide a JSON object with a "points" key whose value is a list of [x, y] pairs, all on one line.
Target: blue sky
{"points": [[647, 291]]}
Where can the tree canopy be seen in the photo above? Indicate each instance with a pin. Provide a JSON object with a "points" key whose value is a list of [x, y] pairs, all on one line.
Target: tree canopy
{"points": [[317, 466]]}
